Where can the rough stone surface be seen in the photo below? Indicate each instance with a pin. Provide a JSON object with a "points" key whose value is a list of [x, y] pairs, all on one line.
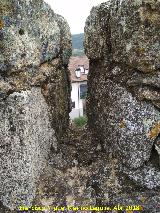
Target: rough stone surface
{"points": [[128, 124], [99, 45], [115, 160], [35, 46], [31, 33], [78, 176], [123, 105], [26, 137], [135, 32]]}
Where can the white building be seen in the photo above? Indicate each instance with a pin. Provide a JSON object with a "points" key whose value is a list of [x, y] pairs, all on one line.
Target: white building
{"points": [[79, 71]]}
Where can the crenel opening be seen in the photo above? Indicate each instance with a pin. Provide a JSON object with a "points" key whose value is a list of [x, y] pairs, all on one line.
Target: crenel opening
{"points": [[61, 151]]}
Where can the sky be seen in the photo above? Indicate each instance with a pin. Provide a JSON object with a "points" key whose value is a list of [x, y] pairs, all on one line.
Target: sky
{"points": [[74, 11]]}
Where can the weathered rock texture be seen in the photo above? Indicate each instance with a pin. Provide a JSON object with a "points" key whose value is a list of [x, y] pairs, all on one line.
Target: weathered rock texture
{"points": [[122, 43], [35, 46]]}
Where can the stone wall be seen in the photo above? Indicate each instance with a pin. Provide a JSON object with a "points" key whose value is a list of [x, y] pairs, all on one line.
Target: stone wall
{"points": [[123, 106], [35, 46]]}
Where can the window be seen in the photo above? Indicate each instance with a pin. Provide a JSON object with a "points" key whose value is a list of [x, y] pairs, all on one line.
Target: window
{"points": [[83, 91], [73, 105]]}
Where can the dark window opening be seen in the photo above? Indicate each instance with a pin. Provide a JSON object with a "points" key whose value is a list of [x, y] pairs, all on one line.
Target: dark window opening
{"points": [[73, 105], [83, 91]]}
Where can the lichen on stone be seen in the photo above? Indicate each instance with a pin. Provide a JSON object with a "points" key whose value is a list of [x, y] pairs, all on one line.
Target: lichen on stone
{"points": [[123, 88], [33, 70]]}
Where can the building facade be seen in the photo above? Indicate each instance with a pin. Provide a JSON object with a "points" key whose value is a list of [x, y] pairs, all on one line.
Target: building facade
{"points": [[79, 71]]}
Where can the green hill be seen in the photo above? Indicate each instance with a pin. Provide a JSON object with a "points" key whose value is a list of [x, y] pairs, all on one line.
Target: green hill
{"points": [[77, 44], [77, 41]]}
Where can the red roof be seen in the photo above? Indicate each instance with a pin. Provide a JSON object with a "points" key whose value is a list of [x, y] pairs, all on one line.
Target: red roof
{"points": [[73, 65]]}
